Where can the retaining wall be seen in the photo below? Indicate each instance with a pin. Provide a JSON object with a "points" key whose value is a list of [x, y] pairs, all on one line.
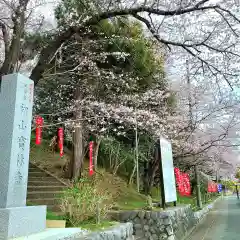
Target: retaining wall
{"points": [[163, 225], [172, 224]]}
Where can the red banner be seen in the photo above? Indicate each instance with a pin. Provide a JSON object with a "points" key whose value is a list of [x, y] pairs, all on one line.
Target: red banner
{"points": [[39, 124], [187, 185], [91, 158], [60, 141], [212, 187], [183, 182], [179, 182]]}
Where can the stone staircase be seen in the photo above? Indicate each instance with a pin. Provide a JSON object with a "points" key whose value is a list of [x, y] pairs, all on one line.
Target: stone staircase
{"points": [[44, 189]]}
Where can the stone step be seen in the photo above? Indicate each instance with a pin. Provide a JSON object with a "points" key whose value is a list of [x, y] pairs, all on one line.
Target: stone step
{"points": [[33, 169], [43, 178], [45, 188], [43, 182], [44, 195], [38, 174], [45, 201]]}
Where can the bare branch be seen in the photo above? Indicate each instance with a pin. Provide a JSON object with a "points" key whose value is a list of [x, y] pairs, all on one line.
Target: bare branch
{"points": [[190, 48]]}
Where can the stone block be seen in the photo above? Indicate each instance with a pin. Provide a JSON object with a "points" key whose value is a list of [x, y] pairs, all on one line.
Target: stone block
{"points": [[161, 229], [137, 220], [139, 233], [141, 214], [154, 215], [22, 221], [152, 230], [167, 221], [148, 215], [169, 230], [147, 235], [163, 236], [154, 237], [138, 226], [171, 237], [146, 228]]}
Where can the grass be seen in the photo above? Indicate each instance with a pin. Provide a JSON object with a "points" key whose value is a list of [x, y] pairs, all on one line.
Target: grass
{"points": [[91, 226], [52, 216], [186, 200], [130, 199]]}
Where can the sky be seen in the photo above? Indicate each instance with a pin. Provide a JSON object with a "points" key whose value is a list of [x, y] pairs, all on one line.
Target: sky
{"points": [[47, 10]]}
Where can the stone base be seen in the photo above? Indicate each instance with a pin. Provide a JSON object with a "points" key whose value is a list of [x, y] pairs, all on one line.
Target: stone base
{"points": [[22, 221], [55, 234]]}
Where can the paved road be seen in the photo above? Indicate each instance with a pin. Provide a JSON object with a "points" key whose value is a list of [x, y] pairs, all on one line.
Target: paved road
{"points": [[223, 222]]}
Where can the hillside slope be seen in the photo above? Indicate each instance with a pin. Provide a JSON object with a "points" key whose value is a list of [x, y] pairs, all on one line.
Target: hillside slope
{"points": [[124, 196]]}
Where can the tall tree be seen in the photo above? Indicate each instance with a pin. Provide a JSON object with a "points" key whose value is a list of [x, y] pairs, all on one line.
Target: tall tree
{"points": [[116, 62]]}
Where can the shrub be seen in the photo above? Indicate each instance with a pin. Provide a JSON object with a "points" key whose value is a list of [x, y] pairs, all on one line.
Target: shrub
{"points": [[85, 201]]}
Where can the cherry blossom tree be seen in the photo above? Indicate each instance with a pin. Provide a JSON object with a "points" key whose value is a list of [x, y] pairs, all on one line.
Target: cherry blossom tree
{"points": [[118, 75]]}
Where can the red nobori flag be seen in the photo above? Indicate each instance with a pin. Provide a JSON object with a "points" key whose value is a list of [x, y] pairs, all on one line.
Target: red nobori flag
{"points": [[187, 185], [39, 125], [60, 141], [179, 180], [91, 172], [183, 182]]}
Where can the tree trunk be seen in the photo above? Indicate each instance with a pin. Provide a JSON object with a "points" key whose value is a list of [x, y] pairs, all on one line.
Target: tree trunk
{"points": [[77, 162], [153, 166], [131, 176], [95, 152], [145, 178], [13, 47]]}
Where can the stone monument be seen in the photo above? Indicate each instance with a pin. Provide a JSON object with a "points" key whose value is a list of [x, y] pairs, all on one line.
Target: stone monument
{"points": [[16, 101], [17, 221]]}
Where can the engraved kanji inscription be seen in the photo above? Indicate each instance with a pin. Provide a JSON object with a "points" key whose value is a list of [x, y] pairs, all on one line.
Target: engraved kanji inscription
{"points": [[18, 177], [22, 125], [21, 142], [20, 159]]}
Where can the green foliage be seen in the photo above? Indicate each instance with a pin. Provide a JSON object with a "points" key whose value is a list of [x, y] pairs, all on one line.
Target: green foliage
{"points": [[238, 173], [84, 202], [128, 37], [115, 155], [118, 155], [229, 185]]}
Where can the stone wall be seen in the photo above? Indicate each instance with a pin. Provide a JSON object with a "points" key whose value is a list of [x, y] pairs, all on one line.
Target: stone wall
{"points": [[123, 231], [172, 224]]}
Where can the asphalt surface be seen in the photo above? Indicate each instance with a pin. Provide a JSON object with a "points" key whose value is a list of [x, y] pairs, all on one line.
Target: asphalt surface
{"points": [[223, 222]]}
